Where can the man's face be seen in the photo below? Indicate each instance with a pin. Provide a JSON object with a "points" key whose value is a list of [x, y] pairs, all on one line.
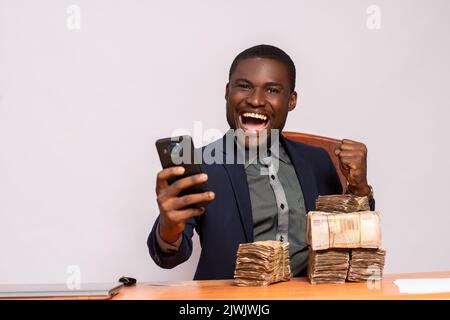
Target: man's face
{"points": [[259, 96]]}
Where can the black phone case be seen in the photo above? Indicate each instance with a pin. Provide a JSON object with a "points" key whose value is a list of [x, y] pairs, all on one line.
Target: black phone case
{"points": [[165, 155]]}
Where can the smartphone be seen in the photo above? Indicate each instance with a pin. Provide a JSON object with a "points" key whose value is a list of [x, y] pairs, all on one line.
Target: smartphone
{"points": [[180, 151]]}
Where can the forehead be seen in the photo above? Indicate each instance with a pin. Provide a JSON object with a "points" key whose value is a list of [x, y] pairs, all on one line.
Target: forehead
{"points": [[261, 70]]}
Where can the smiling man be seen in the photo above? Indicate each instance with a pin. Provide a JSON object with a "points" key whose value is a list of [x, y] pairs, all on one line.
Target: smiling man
{"points": [[264, 197], [260, 91]]}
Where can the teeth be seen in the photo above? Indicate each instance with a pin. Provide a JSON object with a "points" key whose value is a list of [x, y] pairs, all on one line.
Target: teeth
{"points": [[255, 115]]}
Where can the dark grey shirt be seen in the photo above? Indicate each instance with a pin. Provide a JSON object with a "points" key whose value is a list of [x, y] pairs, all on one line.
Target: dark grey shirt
{"points": [[265, 210]]}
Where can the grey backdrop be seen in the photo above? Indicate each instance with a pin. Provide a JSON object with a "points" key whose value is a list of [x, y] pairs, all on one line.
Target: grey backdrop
{"points": [[80, 111]]}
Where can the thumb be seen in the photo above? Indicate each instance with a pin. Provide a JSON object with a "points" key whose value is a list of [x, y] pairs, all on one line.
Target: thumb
{"points": [[344, 168]]}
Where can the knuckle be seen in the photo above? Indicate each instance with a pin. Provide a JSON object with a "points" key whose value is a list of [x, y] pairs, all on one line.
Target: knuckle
{"points": [[175, 187], [170, 216], [187, 199], [164, 206], [178, 185]]}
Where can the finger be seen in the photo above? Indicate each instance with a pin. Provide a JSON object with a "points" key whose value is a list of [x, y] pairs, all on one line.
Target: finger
{"points": [[190, 199], [345, 170], [163, 175], [183, 215], [350, 162], [352, 153], [175, 188], [348, 141], [352, 146]]}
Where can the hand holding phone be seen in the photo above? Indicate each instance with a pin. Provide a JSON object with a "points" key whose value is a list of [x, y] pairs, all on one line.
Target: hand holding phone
{"points": [[180, 151], [180, 186]]}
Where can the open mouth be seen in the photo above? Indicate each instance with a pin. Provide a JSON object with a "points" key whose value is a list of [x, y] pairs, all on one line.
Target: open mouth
{"points": [[251, 121]]}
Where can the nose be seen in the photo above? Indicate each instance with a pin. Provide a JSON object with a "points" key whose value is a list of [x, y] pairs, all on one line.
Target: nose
{"points": [[256, 98]]}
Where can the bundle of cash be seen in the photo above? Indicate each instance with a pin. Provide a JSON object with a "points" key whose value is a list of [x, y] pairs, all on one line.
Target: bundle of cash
{"points": [[328, 266], [327, 230], [261, 263], [342, 203], [344, 222], [366, 264]]}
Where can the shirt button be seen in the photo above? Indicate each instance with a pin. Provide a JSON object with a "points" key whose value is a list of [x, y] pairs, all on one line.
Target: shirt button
{"points": [[282, 206], [273, 177]]}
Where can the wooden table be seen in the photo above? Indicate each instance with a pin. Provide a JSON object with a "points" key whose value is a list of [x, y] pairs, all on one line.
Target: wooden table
{"points": [[297, 288]]}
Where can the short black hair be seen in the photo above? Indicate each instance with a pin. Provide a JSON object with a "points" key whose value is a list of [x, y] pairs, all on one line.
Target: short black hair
{"points": [[267, 52]]}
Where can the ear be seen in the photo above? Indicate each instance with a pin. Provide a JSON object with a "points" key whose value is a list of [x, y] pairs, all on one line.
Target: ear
{"points": [[292, 101], [227, 91]]}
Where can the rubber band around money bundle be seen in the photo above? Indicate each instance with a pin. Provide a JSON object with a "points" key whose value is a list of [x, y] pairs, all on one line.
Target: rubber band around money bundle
{"points": [[329, 232]]}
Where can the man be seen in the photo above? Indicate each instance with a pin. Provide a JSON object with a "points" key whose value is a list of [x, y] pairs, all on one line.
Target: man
{"points": [[244, 205]]}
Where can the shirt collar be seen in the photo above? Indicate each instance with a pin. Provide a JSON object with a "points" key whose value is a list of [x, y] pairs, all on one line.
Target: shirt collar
{"points": [[282, 156]]}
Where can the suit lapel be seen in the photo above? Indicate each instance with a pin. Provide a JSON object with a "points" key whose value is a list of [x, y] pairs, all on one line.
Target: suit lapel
{"points": [[238, 178], [304, 173]]}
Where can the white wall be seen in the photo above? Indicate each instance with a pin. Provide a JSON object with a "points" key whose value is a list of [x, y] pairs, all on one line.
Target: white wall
{"points": [[80, 111]]}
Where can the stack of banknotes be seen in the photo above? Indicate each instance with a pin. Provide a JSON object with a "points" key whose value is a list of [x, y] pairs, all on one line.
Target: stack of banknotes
{"points": [[342, 203], [366, 264], [261, 263], [344, 239], [328, 230], [328, 266]]}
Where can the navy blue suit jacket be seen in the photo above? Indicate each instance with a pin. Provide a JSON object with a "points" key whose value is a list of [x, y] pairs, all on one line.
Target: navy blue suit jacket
{"points": [[227, 221]]}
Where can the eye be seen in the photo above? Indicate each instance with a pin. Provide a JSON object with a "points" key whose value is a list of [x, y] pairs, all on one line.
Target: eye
{"points": [[273, 90], [243, 86]]}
